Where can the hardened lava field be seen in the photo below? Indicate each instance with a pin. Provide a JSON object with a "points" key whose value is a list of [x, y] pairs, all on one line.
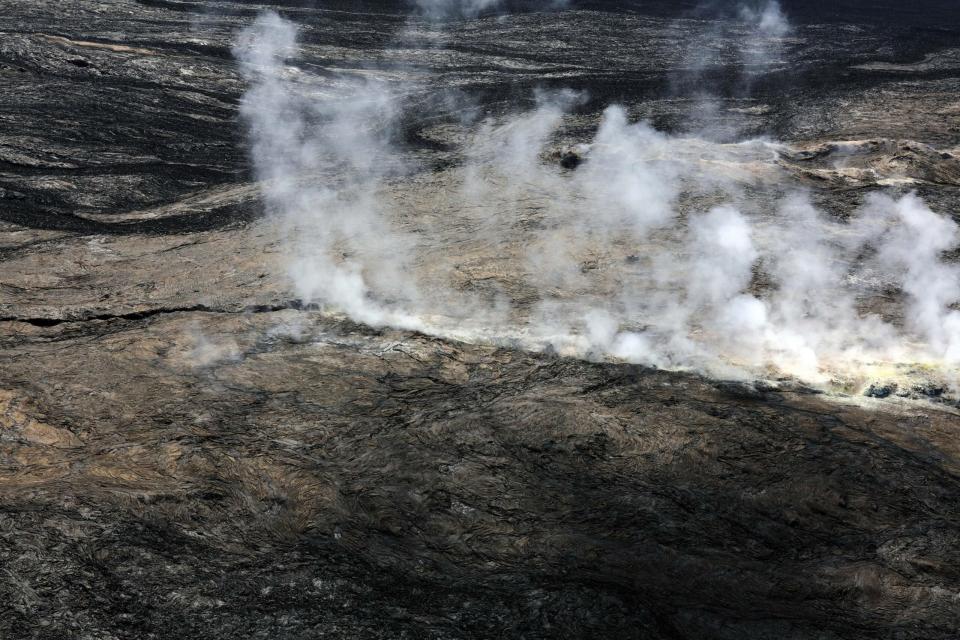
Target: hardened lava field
{"points": [[478, 320]]}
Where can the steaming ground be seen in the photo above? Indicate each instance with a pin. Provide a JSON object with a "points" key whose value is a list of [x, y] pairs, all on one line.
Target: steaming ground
{"points": [[516, 265], [651, 248], [354, 323]]}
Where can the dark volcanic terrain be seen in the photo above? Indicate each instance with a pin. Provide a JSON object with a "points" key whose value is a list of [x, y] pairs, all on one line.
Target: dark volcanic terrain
{"points": [[188, 450]]}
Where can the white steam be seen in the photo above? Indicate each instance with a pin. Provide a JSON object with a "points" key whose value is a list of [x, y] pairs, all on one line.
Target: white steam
{"points": [[323, 153], [647, 252], [769, 19], [748, 35], [909, 249], [768, 27]]}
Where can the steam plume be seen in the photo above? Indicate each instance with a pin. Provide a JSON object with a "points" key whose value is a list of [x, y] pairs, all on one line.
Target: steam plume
{"points": [[323, 180], [614, 266]]}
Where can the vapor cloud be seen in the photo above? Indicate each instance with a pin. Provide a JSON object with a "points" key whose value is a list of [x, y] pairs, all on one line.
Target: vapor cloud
{"points": [[769, 19], [616, 266], [324, 154]]}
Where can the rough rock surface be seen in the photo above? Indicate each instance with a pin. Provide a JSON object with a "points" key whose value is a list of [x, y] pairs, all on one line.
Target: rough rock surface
{"points": [[186, 451]]}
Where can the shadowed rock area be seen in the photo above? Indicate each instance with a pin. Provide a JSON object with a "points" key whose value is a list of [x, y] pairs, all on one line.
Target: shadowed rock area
{"points": [[189, 450]]}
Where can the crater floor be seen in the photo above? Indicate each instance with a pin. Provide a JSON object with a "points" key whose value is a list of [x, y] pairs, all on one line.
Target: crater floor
{"points": [[188, 450]]}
